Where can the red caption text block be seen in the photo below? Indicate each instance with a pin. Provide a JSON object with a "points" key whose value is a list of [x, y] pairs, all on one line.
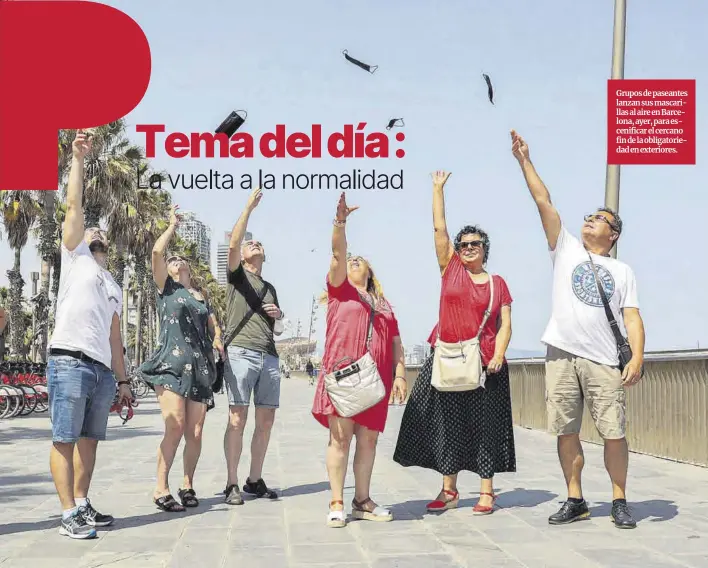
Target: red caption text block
{"points": [[651, 121]]}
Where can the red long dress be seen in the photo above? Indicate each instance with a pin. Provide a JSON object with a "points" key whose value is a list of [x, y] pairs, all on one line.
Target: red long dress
{"points": [[347, 326]]}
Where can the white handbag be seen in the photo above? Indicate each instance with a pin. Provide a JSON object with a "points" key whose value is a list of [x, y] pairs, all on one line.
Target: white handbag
{"points": [[358, 386], [457, 366]]}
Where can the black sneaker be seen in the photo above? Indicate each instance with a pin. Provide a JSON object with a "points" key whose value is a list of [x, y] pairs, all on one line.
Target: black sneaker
{"points": [[233, 495], [570, 512], [621, 516], [94, 518], [259, 489], [77, 527]]}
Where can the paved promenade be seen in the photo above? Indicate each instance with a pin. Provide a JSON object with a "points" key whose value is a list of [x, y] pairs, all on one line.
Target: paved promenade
{"points": [[669, 500]]}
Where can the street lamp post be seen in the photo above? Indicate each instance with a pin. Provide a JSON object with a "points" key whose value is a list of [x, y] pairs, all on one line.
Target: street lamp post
{"points": [[313, 307], [612, 179]]}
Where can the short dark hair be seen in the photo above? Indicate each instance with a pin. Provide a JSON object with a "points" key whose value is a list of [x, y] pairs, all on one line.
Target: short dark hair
{"points": [[617, 225], [474, 230]]}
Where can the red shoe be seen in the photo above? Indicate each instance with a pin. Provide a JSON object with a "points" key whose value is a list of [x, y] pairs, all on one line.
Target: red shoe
{"points": [[484, 509], [438, 505]]}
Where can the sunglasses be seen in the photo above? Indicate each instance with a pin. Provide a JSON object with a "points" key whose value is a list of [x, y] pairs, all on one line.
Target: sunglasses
{"points": [[175, 259], [598, 217], [470, 244]]}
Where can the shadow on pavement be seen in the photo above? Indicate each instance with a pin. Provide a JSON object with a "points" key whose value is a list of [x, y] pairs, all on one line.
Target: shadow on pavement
{"points": [[307, 489], [654, 510]]}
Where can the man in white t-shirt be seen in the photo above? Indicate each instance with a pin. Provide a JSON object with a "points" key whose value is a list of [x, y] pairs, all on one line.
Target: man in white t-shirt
{"points": [[582, 362], [85, 346]]}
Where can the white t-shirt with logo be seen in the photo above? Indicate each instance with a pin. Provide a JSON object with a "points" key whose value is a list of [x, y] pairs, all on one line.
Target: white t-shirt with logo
{"points": [[578, 321], [87, 299]]}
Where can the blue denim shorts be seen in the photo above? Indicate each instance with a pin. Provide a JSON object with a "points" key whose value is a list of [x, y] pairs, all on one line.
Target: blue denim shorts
{"points": [[247, 371], [80, 398]]}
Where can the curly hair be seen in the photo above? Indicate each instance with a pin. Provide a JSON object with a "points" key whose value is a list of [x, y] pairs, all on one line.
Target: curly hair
{"points": [[474, 230]]}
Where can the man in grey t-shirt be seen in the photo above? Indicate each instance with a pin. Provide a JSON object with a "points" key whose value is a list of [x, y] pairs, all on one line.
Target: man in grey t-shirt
{"points": [[252, 365]]}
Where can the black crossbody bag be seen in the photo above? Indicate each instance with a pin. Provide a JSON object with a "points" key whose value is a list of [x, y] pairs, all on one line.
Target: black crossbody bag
{"points": [[624, 350]]}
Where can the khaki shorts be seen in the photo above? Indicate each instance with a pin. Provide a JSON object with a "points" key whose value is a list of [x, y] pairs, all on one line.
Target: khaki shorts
{"points": [[569, 381]]}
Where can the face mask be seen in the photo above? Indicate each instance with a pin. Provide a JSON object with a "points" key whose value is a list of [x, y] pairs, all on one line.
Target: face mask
{"points": [[98, 246], [232, 123], [490, 90], [370, 68], [393, 122]]}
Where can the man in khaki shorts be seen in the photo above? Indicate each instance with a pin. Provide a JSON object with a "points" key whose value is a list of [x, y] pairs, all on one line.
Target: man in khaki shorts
{"points": [[582, 361]]}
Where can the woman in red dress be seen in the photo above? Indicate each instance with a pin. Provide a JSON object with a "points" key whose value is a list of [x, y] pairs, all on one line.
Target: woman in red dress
{"points": [[473, 430], [352, 290]]}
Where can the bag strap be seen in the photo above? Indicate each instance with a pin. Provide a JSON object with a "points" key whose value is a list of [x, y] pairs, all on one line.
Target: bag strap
{"points": [[370, 331], [619, 338], [489, 308], [249, 315]]}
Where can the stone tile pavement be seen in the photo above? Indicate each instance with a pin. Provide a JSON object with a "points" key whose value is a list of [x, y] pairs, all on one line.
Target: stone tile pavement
{"points": [[670, 500]]}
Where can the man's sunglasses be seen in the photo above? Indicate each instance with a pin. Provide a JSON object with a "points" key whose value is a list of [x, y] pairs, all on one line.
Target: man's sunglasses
{"points": [[470, 244], [598, 217]]}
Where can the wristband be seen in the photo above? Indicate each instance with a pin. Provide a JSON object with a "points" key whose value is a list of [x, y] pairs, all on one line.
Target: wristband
{"points": [[123, 383], [338, 223], [404, 378]]}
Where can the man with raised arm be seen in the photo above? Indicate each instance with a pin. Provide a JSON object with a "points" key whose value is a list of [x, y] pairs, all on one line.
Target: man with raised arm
{"points": [[582, 362], [85, 346], [252, 365]]}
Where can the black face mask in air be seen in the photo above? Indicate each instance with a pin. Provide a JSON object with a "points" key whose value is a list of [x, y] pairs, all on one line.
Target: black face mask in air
{"points": [[490, 90], [232, 123], [370, 68], [394, 122]]}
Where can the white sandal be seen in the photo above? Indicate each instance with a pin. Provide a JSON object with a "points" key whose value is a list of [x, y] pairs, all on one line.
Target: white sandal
{"points": [[379, 514], [335, 519]]}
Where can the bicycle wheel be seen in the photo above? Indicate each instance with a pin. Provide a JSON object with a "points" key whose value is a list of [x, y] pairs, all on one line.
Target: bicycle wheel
{"points": [[42, 398], [30, 398], [7, 402], [19, 397]]}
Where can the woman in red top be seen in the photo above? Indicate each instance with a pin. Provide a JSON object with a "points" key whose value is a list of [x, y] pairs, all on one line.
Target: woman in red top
{"points": [[472, 430], [351, 291]]}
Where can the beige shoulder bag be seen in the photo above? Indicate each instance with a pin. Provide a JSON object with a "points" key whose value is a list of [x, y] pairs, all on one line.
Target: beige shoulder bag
{"points": [[458, 366], [358, 386]]}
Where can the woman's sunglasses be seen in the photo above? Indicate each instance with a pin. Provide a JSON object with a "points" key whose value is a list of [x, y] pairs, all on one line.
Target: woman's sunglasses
{"points": [[470, 244]]}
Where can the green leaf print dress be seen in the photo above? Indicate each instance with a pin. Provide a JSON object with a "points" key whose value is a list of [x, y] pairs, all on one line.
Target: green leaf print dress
{"points": [[183, 361]]}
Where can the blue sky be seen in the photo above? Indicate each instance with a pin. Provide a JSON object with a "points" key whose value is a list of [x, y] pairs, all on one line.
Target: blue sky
{"points": [[282, 62]]}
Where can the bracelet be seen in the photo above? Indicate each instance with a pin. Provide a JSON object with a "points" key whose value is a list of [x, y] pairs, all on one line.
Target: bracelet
{"points": [[338, 223], [123, 383], [404, 378]]}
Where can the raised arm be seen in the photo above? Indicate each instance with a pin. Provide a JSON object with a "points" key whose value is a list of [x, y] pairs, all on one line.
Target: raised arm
{"points": [[443, 247], [159, 265], [549, 215], [338, 265], [73, 232], [239, 229]]}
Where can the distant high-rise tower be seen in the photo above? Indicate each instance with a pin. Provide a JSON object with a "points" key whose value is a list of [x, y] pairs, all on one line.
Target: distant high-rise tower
{"points": [[222, 258], [194, 231]]}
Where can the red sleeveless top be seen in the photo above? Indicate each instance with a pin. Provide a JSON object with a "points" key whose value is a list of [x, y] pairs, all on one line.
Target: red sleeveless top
{"points": [[462, 307]]}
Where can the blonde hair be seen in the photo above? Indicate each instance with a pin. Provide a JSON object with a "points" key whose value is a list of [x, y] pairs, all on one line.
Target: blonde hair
{"points": [[373, 286]]}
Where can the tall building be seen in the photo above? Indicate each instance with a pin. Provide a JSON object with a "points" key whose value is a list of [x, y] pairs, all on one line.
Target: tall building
{"points": [[222, 258], [194, 231]]}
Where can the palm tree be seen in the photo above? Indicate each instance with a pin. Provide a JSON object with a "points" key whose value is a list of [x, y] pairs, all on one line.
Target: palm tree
{"points": [[20, 211]]}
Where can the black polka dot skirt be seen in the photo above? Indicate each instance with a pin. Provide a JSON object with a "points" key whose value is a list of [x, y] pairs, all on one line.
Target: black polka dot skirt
{"points": [[451, 432]]}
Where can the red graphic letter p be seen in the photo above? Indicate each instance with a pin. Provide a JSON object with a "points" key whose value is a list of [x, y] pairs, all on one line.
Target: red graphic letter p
{"points": [[63, 64]]}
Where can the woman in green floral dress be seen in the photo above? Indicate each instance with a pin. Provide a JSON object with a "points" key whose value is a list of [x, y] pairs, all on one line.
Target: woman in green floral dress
{"points": [[182, 369]]}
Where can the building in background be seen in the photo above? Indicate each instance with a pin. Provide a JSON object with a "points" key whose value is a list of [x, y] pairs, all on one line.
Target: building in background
{"points": [[222, 258], [417, 354], [194, 231]]}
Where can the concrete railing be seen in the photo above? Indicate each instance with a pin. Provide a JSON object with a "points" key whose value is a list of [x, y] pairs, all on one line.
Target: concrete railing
{"points": [[667, 412]]}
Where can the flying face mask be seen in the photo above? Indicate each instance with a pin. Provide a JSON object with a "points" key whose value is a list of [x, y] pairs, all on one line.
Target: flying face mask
{"points": [[365, 66], [232, 123], [490, 90], [395, 122]]}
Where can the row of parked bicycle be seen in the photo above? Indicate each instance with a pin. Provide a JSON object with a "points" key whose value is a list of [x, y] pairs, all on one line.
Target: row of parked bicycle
{"points": [[23, 390]]}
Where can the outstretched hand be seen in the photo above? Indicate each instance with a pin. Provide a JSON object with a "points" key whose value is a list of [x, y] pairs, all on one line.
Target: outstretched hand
{"points": [[255, 198], [440, 177], [175, 217], [519, 148], [82, 144], [343, 211]]}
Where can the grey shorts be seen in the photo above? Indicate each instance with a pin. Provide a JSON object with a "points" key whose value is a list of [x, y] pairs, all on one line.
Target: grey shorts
{"points": [[249, 371]]}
